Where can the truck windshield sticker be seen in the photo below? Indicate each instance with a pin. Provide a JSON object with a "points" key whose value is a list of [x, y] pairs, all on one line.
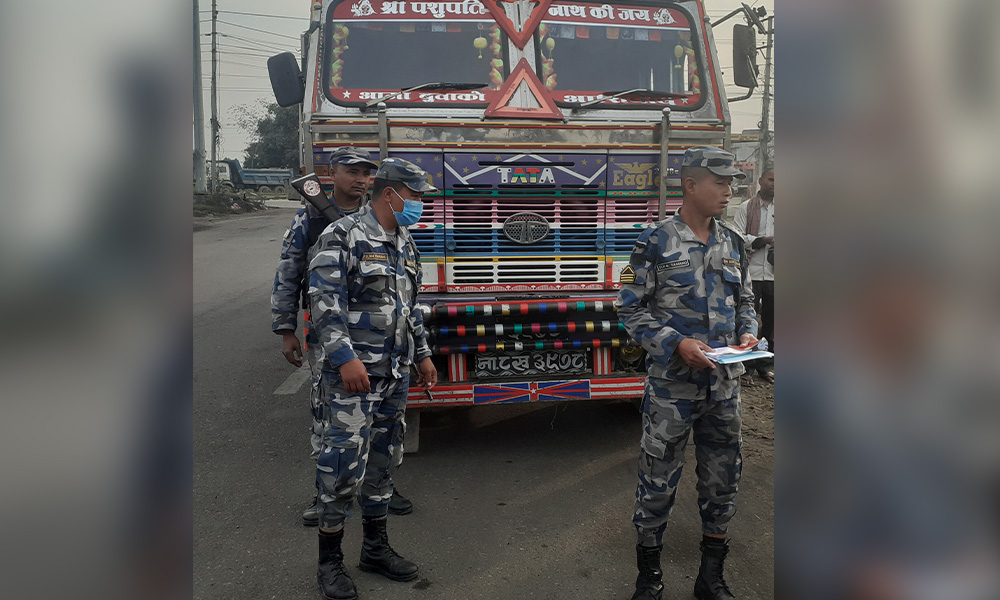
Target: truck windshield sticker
{"points": [[581, 51]]}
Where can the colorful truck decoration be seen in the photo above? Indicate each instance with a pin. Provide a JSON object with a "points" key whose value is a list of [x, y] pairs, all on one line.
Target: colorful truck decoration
{"points": [[554, 131]]}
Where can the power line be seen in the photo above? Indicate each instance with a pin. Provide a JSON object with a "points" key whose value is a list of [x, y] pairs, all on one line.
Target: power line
{"points": [[242, 64], [260, 30], [263, 45], [238, 75], [258, 42], [251, 51], [250, 14]]}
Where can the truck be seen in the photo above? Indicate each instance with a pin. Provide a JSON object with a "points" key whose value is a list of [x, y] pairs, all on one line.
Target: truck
{"points": [[265, 181], [554, 131]]}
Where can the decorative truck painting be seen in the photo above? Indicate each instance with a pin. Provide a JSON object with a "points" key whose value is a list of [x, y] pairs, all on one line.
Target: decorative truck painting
{"points": [[547, 126]]}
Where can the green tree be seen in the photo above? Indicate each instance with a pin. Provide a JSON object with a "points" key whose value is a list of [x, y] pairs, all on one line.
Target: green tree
{"points": [[274, 134]]}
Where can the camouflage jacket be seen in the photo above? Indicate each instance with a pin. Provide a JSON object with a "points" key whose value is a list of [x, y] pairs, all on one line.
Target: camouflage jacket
{"points": [[677, 286], [291, 281], [363, 284]]}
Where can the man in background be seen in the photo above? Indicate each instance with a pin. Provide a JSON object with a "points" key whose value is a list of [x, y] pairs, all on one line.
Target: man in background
{"points": [[755, 219]]}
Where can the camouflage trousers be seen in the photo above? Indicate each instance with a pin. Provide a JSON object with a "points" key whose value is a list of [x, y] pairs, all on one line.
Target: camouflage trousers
{"points": [[362, 446], [314, 355], [667, 424]]}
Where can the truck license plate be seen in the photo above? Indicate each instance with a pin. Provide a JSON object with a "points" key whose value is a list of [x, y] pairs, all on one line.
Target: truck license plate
{"points": [[546, 362]]}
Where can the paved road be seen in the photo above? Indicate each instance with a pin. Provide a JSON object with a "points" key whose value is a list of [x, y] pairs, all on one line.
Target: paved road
{"points": [[512, 502]]}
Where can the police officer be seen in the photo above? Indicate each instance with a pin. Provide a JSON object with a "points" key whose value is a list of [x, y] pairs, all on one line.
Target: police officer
{"points": [[364, 278], [351, 171], [687, 289]]}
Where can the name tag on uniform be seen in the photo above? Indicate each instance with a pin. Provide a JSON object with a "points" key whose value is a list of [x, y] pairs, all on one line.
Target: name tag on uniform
{"points": [[375, 257], [411, 264], [731, 262], [289, 234], [673, 264]]}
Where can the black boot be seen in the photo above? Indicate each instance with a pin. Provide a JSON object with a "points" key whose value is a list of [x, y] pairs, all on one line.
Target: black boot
{"points": [[649, 583], [710, 585], [310, 516], [334, 582], [377, 556], [399, 505]]}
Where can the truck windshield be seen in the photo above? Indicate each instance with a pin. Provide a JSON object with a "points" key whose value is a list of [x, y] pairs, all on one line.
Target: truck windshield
{"points": [[585, 49], [371, 52]]}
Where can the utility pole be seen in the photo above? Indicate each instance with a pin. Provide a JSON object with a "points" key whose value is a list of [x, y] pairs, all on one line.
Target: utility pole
{"points": [[199, 111], [214, 178], [766, 104]]}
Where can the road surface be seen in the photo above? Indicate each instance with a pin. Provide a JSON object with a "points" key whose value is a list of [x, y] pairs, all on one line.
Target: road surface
{"points": [[511, 502]]}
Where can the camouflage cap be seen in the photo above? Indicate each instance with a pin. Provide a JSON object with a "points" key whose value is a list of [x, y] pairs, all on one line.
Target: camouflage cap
{"points": [[714, 159], [346, 155], [405, 172]]}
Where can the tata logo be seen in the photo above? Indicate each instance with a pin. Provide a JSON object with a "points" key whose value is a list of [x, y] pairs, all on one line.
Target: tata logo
{"points": [[526, 228], [526, 175]]}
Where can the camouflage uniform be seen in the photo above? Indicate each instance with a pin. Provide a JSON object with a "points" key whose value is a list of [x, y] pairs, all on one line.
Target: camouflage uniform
{"points": [[291, 290], [684, 287], [363, 284]]}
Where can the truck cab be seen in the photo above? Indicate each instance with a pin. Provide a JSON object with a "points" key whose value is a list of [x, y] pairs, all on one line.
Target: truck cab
{"points": [[554, 131]]}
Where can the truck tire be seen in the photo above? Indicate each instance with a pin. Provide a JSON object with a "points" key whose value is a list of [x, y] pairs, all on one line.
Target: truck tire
{"points": [[264, 190], [279, 190]]}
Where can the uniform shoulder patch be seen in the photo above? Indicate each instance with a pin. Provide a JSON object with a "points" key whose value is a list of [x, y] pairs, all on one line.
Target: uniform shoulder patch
{"points": [[375, 257], [628, 275]]}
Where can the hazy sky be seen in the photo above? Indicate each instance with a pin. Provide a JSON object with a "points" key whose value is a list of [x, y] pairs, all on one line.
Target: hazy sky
{"points": [[246, 41]]}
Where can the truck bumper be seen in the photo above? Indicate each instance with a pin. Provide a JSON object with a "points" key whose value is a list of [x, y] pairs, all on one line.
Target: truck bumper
{"points": [[499, 392]]}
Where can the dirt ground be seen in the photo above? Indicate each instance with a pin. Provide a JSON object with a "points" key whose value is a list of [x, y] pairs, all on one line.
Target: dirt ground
{"points": [[758, 420]]}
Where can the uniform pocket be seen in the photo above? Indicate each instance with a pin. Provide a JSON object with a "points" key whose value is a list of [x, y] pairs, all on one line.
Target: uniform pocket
{"points": [[376, 279], [652, 446], [734, 370], [732, 282], [367, 319], [671, 288]]}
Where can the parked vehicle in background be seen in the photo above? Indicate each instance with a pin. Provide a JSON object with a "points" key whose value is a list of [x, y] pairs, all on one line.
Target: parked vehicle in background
{"points": [[264, 181]]}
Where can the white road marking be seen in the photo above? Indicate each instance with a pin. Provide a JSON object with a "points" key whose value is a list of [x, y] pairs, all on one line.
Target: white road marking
{"points": [[294, 382]]}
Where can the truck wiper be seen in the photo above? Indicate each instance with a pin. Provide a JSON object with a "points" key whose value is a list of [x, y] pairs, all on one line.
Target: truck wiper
{"points": [[633, 94], [438, 85]]}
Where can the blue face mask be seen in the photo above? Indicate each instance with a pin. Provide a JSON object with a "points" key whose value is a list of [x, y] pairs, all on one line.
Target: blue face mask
{"points": [[412, 209]]}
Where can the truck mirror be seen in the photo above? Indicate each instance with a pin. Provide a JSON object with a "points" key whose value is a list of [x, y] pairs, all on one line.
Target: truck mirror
{"points": [[745, 56], [286, 79]]}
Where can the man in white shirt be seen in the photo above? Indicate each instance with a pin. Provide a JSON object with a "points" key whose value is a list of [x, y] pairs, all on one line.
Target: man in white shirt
{"points": [[755, 218]]}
